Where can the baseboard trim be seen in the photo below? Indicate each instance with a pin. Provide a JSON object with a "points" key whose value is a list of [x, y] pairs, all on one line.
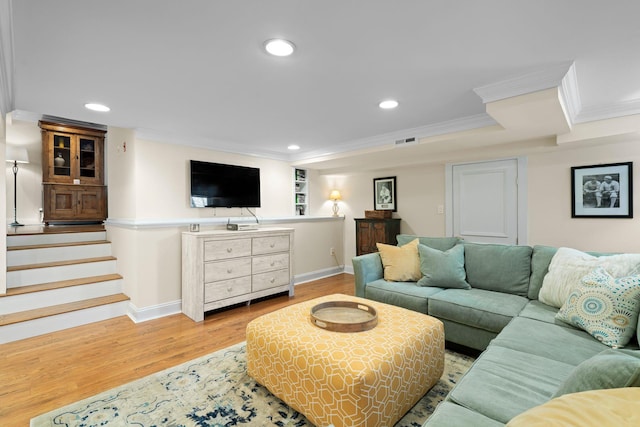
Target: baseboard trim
{"points": [[138, 315]]}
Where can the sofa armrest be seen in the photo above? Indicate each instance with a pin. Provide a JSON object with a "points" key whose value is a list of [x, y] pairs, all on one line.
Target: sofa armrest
{"points": [[366, 268]]}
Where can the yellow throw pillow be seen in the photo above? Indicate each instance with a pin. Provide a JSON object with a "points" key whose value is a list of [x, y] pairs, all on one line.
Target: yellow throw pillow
{"points": [[401, 263], [596, 408]]}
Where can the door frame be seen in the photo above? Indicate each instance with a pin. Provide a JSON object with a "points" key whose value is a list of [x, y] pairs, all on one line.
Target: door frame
{"points": [[522, 185]]}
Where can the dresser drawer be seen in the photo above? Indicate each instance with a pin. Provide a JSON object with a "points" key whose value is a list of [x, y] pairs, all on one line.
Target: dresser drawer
{"points": [[270, 244], [223, 270], [225, 249], [216, 291], [270, 279], [270, 262]]}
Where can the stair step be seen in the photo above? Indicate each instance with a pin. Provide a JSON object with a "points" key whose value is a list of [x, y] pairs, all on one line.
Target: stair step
{"points": [[56, 245], [59, 263], [21, 290], [53, 252], [52, 238], [25, 316]]}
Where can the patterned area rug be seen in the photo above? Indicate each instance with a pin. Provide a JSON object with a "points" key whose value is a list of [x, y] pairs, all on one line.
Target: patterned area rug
{"points": [[215, 390]]}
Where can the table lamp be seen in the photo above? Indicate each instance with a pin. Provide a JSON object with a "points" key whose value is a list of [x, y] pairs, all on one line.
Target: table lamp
{"points": [[335, 196]]}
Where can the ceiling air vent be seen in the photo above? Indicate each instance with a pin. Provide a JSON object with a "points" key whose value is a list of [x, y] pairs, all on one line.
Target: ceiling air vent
{"points": [[406, 141]]}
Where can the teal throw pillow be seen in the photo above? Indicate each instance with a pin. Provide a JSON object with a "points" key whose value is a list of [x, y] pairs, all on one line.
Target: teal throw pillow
{"points": [[604, 306], [608, 369], [442, 269]]}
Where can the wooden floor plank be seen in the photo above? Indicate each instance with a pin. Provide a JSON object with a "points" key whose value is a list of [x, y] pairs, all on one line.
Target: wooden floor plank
{"points": [[43, 373]]}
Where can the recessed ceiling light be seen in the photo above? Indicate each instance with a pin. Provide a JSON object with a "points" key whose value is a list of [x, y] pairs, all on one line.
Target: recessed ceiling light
{"points": [[279, 47], [97, 107], [293, 147], [388, 104]]}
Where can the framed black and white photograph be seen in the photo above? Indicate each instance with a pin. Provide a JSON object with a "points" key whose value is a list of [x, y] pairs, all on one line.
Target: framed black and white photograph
{"points": [[602, 191], [384, 194]]}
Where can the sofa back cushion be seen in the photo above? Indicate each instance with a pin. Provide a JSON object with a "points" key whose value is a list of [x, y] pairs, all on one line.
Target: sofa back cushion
{"points": [[540, 260], [439, 243], [502, 268]]}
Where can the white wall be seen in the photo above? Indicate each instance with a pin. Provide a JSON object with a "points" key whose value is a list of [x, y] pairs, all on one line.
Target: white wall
{"points": [[421, 189]]}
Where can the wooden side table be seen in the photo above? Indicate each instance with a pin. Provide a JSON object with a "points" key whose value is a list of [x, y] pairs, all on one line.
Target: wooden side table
{"points": [[370, 231]]}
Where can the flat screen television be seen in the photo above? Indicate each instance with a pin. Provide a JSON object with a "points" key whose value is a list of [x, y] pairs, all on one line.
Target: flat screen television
{"points": [[217, 185]]}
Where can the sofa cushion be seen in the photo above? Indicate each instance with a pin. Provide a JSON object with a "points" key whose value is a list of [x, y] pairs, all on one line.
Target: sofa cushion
{"points": [[537, 310], [564, 344], [482, 309], [401, 294], [568, 266], [605, 307], [503, 383], [401, 263], [502, 268], [439, 243], [448, 414], [540, 260], [443, 269], [608, 369], [597, 408]]}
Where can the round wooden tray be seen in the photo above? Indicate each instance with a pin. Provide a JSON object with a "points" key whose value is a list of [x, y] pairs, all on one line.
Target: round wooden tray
{"points": [[344, 316]]}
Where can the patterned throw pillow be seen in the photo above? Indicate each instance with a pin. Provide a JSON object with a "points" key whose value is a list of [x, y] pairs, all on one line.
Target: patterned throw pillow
{"points": [[605, 307]]}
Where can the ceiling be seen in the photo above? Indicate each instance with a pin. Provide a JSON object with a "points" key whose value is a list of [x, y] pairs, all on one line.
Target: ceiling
{"points": [[193, 72]]}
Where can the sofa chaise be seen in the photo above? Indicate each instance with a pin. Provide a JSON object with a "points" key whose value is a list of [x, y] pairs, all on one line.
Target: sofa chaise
{"points": [[521, 306]]}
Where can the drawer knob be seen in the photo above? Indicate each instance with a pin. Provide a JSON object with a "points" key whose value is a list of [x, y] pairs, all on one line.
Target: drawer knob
{"points": [[229, 250], [273, 245], [273, 279], [229, 270], [273, 263], [229, 289]]}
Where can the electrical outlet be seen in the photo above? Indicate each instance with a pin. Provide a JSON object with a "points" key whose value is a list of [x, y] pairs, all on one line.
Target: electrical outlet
{"points": [[332, 251]]}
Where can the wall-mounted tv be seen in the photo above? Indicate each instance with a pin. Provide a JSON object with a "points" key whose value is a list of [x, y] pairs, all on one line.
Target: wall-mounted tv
{"points": [[217, 185]]}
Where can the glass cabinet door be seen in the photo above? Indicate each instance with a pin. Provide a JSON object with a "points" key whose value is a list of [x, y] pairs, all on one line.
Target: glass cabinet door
{"points": [[87, 158], [61, 155]]}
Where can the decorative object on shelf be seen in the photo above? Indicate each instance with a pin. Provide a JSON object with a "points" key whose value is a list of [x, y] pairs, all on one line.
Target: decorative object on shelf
{"points": [[59, 161], [335, 196], [602, 191], [16, 155], [384, 194]]}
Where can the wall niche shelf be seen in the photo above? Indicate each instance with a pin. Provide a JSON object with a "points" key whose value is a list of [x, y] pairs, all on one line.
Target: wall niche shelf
{"points": [[301, 191]]}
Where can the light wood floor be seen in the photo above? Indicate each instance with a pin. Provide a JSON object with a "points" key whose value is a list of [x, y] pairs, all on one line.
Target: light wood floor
{"points": [[43, 373]]}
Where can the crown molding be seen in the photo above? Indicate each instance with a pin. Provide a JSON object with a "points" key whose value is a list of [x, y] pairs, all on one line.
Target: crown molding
{"points": [[541, 79], [603, 112]]}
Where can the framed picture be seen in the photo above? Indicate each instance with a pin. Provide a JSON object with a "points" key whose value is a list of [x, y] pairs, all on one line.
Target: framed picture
{"points": [[384, 194], [602, 191]]}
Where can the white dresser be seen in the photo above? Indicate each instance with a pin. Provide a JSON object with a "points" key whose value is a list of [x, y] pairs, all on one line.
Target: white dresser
{"points": [[222, 268]]}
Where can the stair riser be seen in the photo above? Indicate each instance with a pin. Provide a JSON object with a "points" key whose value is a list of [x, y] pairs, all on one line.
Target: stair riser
{"points": [[66, 253], [14, 304], [45, 239], [32, 328], [64, 272]]}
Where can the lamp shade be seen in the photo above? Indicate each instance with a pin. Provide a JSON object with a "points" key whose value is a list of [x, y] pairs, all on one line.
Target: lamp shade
{"points": [[335, 195], [17, 154]]}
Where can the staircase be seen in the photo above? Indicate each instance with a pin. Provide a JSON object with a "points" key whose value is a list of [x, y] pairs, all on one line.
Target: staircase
{"points": [[58, 278]]}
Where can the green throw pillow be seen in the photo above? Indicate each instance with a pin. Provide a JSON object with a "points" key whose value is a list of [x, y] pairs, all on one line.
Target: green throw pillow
{"points": [[608, 369], [604, 306], [442, 269]]}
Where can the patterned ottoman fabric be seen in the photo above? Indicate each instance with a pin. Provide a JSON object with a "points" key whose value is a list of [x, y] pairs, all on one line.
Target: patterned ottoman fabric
{"points": [[369, 378]]}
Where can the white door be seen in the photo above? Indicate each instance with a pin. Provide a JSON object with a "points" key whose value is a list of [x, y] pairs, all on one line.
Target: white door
{"points": [[487, 201]]}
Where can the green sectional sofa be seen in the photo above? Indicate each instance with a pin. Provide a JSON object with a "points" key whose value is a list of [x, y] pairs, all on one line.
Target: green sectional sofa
{"points": [[528, 356]]}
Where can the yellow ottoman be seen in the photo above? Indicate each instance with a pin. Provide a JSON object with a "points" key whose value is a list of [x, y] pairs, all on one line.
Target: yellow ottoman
{"points": [[369, 378]]}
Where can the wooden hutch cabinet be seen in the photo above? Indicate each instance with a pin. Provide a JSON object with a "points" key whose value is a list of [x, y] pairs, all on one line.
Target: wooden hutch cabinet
{"points": [[73, 174], [370, 231]]}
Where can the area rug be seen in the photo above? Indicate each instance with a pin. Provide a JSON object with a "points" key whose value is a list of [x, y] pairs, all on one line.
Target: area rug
{"points": [[214, 391]]}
